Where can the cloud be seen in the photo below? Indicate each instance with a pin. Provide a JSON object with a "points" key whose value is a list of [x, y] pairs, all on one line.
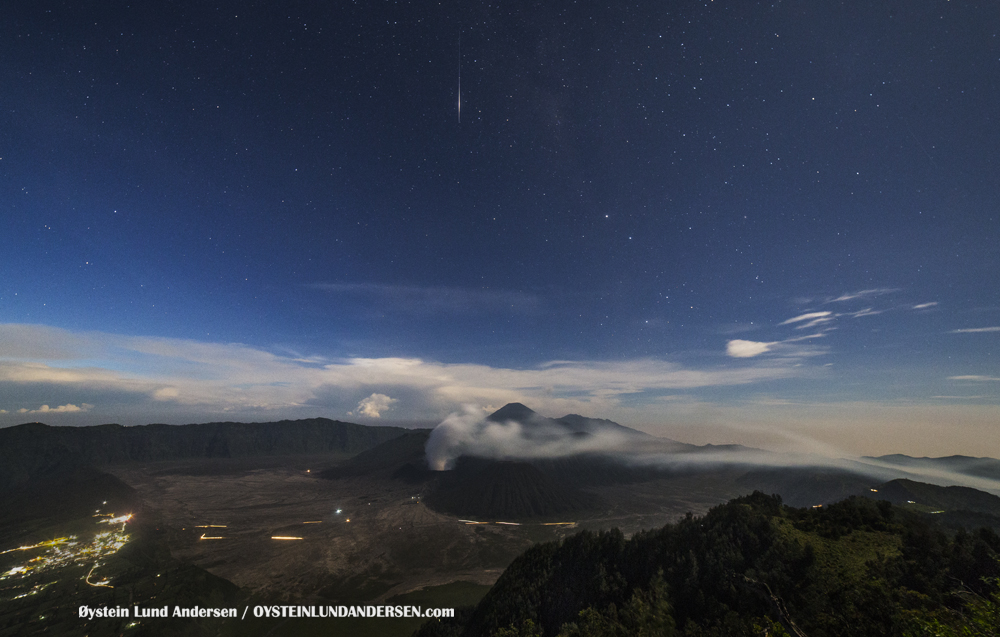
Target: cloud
{"points": [[738, 348], [850, 296], [814, 323], [924, 306], [373, 406], [428, 300], [960, 397], [812, 317], [975, 378], [746, 349], [805, 338], [865, 312], [152, 378], [975, 330], [166, 393], [61, 409], [468, 433]]}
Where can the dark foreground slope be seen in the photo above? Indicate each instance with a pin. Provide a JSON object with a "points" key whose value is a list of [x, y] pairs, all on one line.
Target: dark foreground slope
{"points": [[904, 491], [68, 557], [71, 492], [753, 567], [951, 507]]}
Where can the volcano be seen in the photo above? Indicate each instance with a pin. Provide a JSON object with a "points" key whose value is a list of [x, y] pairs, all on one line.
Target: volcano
{"points": [[535, 424], [504, 489]]}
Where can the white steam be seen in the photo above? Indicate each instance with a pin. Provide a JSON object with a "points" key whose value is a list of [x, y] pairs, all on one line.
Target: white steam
{"points": [[468, 433]]}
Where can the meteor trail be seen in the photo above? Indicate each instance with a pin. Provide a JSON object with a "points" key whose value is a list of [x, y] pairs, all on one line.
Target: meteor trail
{"points": [[459, 77]]}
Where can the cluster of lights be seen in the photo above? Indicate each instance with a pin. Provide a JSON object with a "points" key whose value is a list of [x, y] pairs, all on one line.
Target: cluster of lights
{"points": [[70, 551]]}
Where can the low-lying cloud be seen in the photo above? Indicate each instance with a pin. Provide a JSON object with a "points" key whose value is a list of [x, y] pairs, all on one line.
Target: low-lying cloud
{"points": [[61, 409], [469, 433]]}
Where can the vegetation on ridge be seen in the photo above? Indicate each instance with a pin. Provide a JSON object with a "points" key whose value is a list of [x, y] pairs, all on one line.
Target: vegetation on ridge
{"points": [[749, 567]]}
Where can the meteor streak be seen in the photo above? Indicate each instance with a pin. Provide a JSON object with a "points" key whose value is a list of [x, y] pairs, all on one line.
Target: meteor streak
{"points": [[459, 77]]}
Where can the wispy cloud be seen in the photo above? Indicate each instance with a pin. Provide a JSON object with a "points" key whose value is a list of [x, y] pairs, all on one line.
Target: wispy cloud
{"points": [[865, 312], [975, 378], [960, 397], [861, 294], [738, 348], [810, 316], [975, 330], [425, 300], [924, 306]]}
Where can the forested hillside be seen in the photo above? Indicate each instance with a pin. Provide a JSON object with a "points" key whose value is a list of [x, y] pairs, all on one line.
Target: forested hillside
{"points": [[750, 567]]}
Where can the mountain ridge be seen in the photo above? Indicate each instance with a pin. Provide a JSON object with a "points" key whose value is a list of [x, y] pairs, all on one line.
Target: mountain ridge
{"points": [[36, 448], [570, 423]]}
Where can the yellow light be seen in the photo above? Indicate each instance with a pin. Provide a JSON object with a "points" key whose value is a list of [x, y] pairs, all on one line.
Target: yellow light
{"points": [[284, 537]]}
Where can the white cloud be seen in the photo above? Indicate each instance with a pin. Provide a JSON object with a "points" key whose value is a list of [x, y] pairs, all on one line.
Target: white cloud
{"points": [[850, 296], [166, 393], [865, 312], [814, 322], [923, 306], [975, 330], [812, 317], [746, 349], [468, 433], [156, 377], [805, 338], [61, 409], [975, 378], [960, 397], [374, 405]]}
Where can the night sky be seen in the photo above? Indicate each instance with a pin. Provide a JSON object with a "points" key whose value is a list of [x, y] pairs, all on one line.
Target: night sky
{"points": [[773, 224]]}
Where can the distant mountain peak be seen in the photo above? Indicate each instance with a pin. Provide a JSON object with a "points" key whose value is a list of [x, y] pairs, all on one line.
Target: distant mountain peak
{"points": [[513, 411], [535, 424]]}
